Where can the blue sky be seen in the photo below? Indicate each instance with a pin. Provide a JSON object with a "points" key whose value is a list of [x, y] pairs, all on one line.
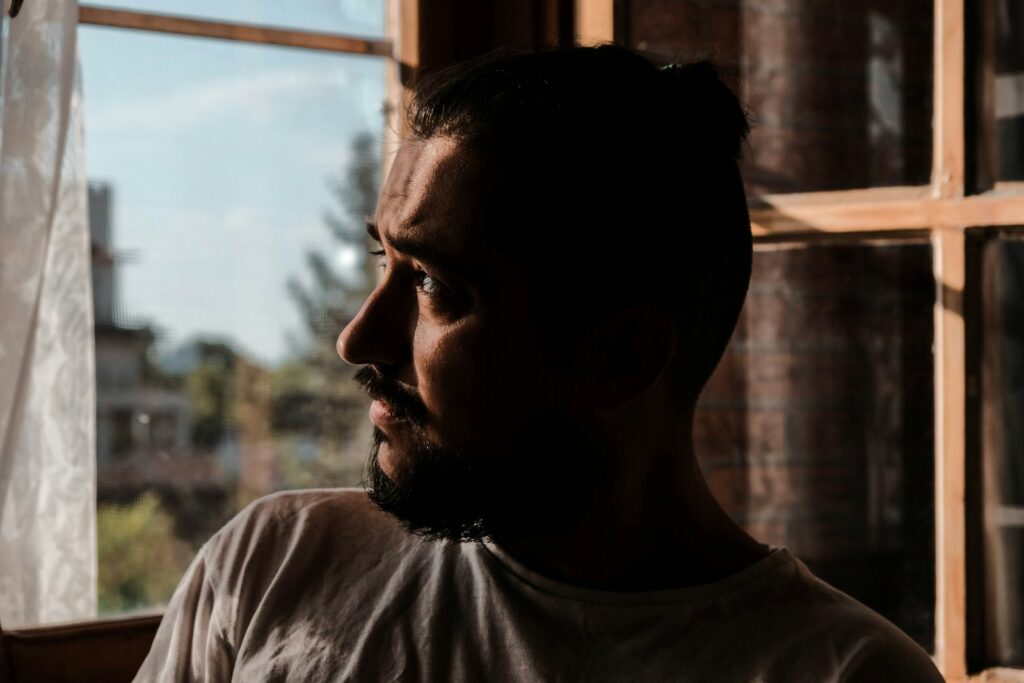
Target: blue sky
{"points": [[220, 155]]}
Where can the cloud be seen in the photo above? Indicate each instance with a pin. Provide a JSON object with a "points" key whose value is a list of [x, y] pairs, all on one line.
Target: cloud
{"points": [[190, 105]]}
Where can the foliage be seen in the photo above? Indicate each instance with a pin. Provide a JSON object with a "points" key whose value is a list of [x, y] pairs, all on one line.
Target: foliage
{"points": [[301, 424], [140, 558], [326, 463], [335, 294], [210, 389], [317, 414]]}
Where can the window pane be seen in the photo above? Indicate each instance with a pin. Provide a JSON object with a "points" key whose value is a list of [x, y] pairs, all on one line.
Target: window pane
{"points": [[1009, 90], [1002, 435], [352, 17], [816, 431], [840, 92], [228, 188]]}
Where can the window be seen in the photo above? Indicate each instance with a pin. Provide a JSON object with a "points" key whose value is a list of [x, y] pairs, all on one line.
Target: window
{"points": [[840, 92], [875, 122], [998, 258], [229, 181], [1009, 89], [816, 431]]}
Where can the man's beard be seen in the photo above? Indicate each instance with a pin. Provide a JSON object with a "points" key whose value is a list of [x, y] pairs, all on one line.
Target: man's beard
{"points": [[540, 480]]}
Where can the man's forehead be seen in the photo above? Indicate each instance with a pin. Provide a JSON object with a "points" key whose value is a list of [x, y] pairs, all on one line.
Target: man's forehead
{"points": [[435, 186]]}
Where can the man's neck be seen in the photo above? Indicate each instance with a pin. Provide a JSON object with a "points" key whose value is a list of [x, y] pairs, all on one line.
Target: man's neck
{"points": [[654, 525]]}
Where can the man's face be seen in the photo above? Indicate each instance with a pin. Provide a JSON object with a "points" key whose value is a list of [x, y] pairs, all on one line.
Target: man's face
{"points": [[466, 404]]}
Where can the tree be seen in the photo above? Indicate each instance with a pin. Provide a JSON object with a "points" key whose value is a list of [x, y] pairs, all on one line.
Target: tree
{"points": [[141, 559], [336, 293], [210, 389], [314, 402]]}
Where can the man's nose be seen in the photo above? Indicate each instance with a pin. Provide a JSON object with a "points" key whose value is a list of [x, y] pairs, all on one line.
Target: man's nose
{"points": [[375, 335]]}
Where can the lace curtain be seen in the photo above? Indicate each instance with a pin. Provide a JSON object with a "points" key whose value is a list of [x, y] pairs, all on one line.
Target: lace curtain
{"points": [[47, 396]]}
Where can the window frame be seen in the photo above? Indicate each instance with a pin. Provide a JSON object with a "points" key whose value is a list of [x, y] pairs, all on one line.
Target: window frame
{"points": [[946, 209], [228, 30]]}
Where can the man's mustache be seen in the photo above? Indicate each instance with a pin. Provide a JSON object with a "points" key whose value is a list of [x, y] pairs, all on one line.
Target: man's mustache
{"points": [[404, 404]]}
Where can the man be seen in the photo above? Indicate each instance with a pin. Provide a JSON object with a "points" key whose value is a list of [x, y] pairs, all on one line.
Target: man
{"points": [[565, 250]]}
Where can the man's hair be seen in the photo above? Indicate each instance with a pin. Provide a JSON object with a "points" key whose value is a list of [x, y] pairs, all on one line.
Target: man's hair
{"points": [[618, 185]]}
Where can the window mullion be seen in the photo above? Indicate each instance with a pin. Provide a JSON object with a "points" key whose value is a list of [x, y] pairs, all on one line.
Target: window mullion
{"points": [[595, 21], [948, 103], [950, 449]]}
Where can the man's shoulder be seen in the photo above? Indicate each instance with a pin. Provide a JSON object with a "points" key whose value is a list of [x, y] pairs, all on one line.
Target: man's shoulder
{"points": [[312, 505], [864, 642], [277, 562], [294, 525]]}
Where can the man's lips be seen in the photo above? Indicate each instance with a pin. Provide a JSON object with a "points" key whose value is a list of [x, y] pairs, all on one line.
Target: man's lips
{"points": [[382, 414]]}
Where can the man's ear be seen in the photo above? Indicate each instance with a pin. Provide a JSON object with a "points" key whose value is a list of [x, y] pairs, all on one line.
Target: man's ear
{"points": [[625, 355]]}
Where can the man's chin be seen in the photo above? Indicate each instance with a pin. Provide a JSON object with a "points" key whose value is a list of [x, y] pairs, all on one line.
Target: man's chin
{"points": [[422, 491], [392, 455], [386, 459], [544, 480]]}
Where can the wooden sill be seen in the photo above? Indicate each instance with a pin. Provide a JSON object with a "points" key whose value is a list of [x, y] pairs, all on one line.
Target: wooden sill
{"points": [[109, 650]]}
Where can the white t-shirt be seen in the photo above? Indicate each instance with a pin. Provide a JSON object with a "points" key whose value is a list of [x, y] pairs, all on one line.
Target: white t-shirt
{"points": [[321, 586]]}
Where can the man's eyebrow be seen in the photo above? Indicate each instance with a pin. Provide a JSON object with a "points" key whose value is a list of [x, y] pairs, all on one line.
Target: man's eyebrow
{"points": [[426, 253]]}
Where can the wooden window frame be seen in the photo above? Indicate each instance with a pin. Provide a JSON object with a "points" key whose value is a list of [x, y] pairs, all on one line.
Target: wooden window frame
{"points": [[946, 211], [231, 30]]}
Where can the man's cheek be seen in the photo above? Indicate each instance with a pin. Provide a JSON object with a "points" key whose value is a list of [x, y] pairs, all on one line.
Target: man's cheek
{"points": [[485, 400], [448, 377]]}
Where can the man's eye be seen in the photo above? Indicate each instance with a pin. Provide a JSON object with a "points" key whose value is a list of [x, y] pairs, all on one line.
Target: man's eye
{"points": [[428, 285], [382, 263]]}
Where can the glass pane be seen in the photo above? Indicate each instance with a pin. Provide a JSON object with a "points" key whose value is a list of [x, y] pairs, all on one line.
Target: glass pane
{"points": [[840, 92], [816, 431], [1009, 91], [1002, 433], [228, 187], [351, 17]]}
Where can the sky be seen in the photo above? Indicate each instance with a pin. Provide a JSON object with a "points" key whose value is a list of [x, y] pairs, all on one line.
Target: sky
{"points": [[220, 156]]}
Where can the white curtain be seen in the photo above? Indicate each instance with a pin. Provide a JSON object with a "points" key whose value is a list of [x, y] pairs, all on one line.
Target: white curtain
{"points": [[47, 394]]}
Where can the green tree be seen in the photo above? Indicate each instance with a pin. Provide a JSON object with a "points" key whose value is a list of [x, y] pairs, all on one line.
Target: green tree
{"points": [[210, 390], [317, 414], [334, 295], [141, 559]]}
